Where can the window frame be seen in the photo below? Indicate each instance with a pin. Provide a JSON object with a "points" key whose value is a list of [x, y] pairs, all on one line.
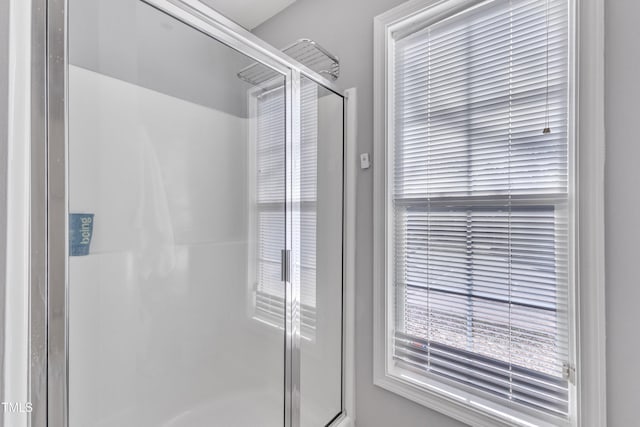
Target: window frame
{"points": [[586, 200], [253, 94], [307, 332]]}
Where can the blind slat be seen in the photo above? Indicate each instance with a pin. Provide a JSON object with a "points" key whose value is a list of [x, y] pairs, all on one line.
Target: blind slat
{"points": [[481, 291]]}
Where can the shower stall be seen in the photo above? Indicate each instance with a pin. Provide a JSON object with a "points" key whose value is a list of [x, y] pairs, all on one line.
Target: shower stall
{"points": [[194, 214]]}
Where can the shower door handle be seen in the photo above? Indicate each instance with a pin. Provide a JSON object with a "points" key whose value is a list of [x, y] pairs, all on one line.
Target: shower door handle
{"points": [[285, 261]]}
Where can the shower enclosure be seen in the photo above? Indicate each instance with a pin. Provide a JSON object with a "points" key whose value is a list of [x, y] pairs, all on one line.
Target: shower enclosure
{"points": [[194, 250]]}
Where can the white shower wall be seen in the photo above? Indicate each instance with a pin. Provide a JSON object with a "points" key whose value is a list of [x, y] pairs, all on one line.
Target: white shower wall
{"points": [[159, 329], [161, 326]]}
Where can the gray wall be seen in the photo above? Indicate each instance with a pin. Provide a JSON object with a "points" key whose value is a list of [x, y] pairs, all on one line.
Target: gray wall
{"points": [[134, 42], [622, 94], [345, 28]]}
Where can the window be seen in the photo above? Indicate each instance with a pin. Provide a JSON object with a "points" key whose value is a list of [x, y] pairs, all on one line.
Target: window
{"points": [[479, 200], [268, 196]]}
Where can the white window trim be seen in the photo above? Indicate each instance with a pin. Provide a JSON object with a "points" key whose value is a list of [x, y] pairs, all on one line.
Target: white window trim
{"points": [[589, 318]]}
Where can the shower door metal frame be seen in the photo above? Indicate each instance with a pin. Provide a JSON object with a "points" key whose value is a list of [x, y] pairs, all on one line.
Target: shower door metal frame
{"points": [[48, 373]]}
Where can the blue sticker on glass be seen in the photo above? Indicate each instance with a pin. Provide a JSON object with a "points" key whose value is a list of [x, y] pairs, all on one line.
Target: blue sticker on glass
{"points": [[80, 233]]}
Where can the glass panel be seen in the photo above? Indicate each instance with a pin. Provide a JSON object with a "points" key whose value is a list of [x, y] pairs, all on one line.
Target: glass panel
{"points": [[164, 264], [320, 246]]}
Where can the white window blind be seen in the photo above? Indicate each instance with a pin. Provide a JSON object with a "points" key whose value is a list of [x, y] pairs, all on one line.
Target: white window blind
{"points": [[480, 200], [270, 201]]}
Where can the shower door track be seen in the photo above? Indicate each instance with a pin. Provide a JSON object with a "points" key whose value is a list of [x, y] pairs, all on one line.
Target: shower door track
{"points": [[48, 371]]}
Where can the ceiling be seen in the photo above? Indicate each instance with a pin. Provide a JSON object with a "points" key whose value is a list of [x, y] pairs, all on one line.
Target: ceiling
{"points": [[249, 13]]}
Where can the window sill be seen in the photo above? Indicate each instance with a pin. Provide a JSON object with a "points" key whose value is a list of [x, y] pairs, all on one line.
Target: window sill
{"points": [[457, 404]]}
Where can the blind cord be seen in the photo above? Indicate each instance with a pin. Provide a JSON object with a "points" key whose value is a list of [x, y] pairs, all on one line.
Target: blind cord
{"points": [[547, 129]]}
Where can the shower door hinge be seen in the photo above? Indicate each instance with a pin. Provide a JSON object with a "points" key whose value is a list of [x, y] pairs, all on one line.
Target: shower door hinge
{"points": [[569, 372], [285, 265]]}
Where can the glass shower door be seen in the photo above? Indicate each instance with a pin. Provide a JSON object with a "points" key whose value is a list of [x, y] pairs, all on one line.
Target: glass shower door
{"points": [[176, 201], [317, 235]]}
